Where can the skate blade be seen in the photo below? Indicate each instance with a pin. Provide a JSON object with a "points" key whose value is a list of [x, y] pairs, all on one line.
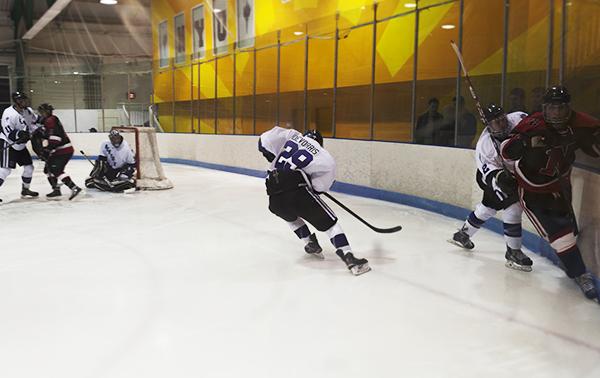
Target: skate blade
{"points": [[74, 195], [515, 266], [357, 270], [29, 197], [54, 198], [452, 241], [318, 255]]}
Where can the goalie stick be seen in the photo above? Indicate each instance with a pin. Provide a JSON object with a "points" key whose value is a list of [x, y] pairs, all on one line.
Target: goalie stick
{"points": [[376, 229]]}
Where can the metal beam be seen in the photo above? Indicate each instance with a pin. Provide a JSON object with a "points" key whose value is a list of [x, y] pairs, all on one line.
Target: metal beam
{"points": [[46, 18]]}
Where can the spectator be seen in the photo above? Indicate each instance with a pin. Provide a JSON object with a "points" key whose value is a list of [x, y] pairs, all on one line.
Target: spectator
{"points": [[516, 100], [428, 123], [537, 97], [467, 125]]}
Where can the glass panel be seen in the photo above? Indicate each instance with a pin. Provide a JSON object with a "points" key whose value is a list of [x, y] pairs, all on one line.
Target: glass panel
{"points": [[321, 52], [436, 75], [527, 55], [266, 88], [207, 97], [393, 78], [354, 77], [163, 98], [244, 108], [225, 95], [183, 110], [483, 53], [582, 71], [291, 103]]}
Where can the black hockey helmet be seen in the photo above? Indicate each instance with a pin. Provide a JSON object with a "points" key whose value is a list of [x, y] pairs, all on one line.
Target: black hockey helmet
{"points": [[115, 138], [316, 135], [556, 108], [19, 96], [497, 122], [45, 108], [20, 99]]}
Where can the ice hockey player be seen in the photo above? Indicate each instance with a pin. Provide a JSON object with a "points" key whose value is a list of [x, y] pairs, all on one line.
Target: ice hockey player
{"points": [[56, 153], [544, 146], [300, 169], [18, 122], [495, 178], [115, 166]]}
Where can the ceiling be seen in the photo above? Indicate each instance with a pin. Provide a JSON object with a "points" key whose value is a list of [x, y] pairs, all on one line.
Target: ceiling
{"points": [[86, 30]]}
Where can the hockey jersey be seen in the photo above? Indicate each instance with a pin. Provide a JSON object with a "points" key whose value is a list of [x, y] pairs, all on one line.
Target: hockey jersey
{"points": [[58, 140], [117, 157], [487, 152], [14, 121], [544, 156], [288, 149]]}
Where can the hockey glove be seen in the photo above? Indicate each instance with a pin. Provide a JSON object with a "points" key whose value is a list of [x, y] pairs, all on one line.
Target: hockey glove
{"points": [[45, 154], [506, 182]]}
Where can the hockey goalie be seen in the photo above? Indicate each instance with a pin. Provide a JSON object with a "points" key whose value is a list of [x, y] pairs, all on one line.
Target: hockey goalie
{"points": [[115, 167]]}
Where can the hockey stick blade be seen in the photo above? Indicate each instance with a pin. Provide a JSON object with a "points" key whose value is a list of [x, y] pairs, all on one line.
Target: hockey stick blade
{"points": [[376, 229]]}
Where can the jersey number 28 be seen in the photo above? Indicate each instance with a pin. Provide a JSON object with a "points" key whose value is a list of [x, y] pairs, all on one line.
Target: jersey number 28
{"points": [[293, 157]]}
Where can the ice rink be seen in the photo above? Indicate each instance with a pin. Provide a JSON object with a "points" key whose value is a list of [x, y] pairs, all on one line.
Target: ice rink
{"points": [[202, 281]]}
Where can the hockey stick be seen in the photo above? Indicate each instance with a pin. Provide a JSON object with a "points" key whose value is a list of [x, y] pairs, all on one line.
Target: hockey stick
{"points": [[469, 84], [376, 229], [87, 158]]}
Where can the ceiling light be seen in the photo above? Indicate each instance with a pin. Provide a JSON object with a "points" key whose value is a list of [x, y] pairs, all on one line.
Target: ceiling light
{"points": [[75, 72], [410, 5], [448, 26], [298, 33], [108, 2], [217, 10]]}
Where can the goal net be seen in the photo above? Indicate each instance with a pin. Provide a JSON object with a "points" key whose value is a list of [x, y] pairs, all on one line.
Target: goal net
{"points": [[149, 171]]}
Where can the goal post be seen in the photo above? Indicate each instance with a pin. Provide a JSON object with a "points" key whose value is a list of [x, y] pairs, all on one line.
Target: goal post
{"points": [[149, 171]]}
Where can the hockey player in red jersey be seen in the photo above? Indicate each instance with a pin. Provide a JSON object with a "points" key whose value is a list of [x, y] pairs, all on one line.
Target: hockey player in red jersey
{"points": [[543, 146], [56, 153]]}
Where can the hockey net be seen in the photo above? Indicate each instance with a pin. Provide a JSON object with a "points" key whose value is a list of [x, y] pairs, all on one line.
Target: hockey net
{"points": [[149, 171]]}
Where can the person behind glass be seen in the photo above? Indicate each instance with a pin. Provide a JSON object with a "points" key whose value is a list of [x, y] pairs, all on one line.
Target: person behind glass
{"points": [[467, 125], [56, 153], [543, 146], [537, 98], [516, 100], [428, 123], [115, 166]]}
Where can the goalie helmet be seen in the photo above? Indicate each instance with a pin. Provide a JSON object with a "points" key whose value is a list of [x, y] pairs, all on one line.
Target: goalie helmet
{"points": [[556, 108], [115, 138], [315, 135], [497, 123]]}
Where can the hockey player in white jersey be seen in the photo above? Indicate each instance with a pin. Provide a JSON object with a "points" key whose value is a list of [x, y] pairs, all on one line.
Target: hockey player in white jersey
{"points": [[115, 166], [301, 169], [18, 123], [495, 178]]}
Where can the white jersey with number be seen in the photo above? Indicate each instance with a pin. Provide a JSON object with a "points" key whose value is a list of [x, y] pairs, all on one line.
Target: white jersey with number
{"points": [[15, 120], [117, 157], [293, 151], [487, 151]]}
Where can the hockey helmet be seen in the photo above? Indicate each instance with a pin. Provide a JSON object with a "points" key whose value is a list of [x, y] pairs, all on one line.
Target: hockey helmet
{"points": [[20, 99], [315, 135], [556, 108], [115, 138], [45, 109], [496, 120]]}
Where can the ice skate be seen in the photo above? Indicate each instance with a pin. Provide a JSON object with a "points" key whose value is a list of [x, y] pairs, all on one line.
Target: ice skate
{"points": [[26, 193], [516, 259], [74, 192], [54, 194], [462, 239], [313, 248], [586, 284], [356, 266]]}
